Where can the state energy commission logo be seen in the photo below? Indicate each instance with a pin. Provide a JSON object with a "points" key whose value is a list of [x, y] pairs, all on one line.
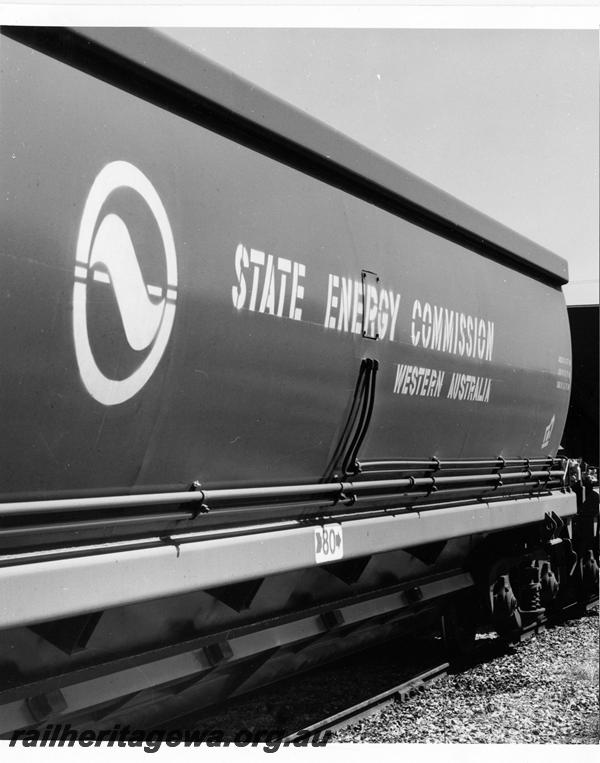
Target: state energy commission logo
{"points": [[116, 360]]}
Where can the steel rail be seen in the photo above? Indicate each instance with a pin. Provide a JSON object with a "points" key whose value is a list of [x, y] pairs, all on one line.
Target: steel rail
{"points": [[433, 482], [438, 465], [245, 495], [407, 690], [401, 692], [361, 507], [249, 496]]}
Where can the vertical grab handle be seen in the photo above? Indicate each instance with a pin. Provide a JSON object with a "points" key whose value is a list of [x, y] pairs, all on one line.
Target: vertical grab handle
{"points": [[343, 462], [350, 465]]}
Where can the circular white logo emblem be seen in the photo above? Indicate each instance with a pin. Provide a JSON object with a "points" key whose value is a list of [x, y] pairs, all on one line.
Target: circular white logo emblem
{"points": [[106, 254]]}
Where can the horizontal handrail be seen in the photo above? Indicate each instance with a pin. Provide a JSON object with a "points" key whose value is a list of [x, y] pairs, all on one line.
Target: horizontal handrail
{"points": [[334, 491], [437, 464], [358, 506]]}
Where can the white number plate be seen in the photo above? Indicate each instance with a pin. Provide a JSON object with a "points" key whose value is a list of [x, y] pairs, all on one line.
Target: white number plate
{"points": [[329, 543]]}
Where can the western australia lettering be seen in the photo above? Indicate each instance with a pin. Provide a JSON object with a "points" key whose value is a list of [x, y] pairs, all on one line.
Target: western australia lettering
{"points": [[434, 327], [415, 380], [428, 382], [471, 388], [352, 310]]}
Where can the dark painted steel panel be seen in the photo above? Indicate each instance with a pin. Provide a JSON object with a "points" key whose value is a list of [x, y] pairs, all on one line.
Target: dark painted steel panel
{"points": [[245, 99], [233, 396], [149, 64], [581, 439]]}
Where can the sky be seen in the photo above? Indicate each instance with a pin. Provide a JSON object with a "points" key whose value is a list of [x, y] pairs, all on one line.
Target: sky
{"points": [[506, 120]]}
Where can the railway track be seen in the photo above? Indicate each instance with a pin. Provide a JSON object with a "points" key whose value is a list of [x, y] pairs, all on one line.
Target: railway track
{"points": [[470, 704], [545, 690], [400, 693], [337, 696], [303, 707]]}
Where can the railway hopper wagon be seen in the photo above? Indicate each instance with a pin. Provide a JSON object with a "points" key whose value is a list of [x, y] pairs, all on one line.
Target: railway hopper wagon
{"points": [[267, 398]]}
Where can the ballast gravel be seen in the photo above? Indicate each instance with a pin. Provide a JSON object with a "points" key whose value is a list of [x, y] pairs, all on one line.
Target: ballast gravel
{"points": [[542, 691]]}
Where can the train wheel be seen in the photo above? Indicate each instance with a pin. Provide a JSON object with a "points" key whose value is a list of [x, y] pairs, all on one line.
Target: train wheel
{"points": [[589, 578], [505, 607], [530, 595], [460, 628], [550, 588]]}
